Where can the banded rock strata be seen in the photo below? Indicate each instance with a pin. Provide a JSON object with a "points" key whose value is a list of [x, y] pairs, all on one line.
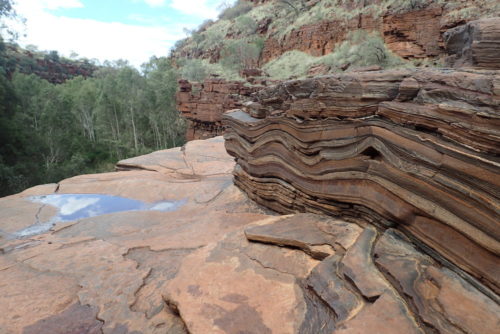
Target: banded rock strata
{"points": [[217, 264], [203, 104], [476, 43], [413, 150]]}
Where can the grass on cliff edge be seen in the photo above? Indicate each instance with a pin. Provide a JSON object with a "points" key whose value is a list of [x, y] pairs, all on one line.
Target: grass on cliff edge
{"points": [[359, 49], [284, 19]]}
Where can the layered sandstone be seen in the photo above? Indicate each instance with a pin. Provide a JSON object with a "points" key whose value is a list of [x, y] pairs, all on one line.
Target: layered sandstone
{"points": [[413, 150], [216, 263], [476, 44], [203, 104], [414, 33]]}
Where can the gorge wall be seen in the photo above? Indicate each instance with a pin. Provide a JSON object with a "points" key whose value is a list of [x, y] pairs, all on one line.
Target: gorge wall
{"points": [[428, 32], [414, 34], [203, 104], [412, 149], [411, 29]]}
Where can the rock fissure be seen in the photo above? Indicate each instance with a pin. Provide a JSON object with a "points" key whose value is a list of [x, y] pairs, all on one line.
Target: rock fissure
{"points": [[174, 309], [408, 300], [137, 291], [264, 266]]}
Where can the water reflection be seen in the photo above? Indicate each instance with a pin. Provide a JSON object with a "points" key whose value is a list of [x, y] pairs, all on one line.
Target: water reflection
{"points": [[78, 206]]}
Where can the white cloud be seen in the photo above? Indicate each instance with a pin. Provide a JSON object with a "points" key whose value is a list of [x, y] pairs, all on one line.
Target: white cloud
{"points": [[91, 38], [108, 40], [67, 205], [155, 3], [51, 4], [202, 8]]}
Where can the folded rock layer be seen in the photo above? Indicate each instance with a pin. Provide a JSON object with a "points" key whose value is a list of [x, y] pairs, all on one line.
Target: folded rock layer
{"points": [[415, 150]]}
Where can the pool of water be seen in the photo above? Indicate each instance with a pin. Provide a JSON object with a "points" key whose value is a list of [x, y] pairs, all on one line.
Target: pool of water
{"points": [[72, 207]]}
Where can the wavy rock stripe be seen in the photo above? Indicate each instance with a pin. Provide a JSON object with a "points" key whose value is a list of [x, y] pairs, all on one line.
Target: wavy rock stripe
{"points": [[414, 150]]}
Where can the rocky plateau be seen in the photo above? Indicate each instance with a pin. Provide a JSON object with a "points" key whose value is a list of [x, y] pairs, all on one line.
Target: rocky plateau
{"points": [[217, 263]]}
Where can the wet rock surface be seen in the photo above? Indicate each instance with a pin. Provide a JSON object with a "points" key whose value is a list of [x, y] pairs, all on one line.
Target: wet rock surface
{"points": [[218, 263]]}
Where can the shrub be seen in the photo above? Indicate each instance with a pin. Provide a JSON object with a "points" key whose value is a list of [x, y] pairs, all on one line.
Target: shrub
{"points": [[193, 70], [362, 49], [292, 5], [245, 25], [241, 7], [404, 6], [359, 49], [290, 64], [214, 35], [212, 38], [180, 44], [205, 25], [241, 53]]}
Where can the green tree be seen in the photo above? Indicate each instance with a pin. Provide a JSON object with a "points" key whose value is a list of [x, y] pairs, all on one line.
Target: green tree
{"points": [[241, 53], [161, 85], [245, 25], [193, 70]]}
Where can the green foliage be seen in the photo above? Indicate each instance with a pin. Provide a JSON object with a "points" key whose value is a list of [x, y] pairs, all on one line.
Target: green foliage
{"points": [[359, 49], [50, 132], [193, 70], [48, 65], [243, 53], [7, 12], [241, 7], [287, 15], [6, 8], [213, 38], [228, 73], [245, 25], [408, 5], [7, 95], [205, 25], [362, 49], [294, 6], [290, 64]]}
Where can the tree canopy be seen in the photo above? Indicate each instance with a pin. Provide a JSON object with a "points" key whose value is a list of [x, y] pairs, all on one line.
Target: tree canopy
{"points": [[52, 131]]}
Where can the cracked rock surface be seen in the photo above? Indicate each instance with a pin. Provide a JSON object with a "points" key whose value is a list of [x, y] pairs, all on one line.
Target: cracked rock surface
{"points": [[218, 263]]}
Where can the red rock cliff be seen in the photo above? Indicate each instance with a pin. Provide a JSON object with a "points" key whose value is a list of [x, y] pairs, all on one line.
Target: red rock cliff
{"points": [[203, 104], [412, 34]]}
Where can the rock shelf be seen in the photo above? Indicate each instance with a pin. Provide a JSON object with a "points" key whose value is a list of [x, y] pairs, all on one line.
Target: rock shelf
{"points": [[415, 151]]}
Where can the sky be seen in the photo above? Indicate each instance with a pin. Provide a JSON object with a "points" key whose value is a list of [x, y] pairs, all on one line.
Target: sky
{"points": [[133, 30]]}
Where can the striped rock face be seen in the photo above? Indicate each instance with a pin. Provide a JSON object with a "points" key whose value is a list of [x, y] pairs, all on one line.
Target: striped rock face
{"points": [[416, 151]]}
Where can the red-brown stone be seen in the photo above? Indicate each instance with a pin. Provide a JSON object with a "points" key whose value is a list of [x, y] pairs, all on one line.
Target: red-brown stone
{"points": [[203, 104]]}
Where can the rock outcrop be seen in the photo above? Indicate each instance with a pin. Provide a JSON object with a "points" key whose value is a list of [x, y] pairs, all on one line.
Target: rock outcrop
{"points": [[45, 66], [215, 263], [414, 33], [416, 151], [203, 104], [476, 44]]}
